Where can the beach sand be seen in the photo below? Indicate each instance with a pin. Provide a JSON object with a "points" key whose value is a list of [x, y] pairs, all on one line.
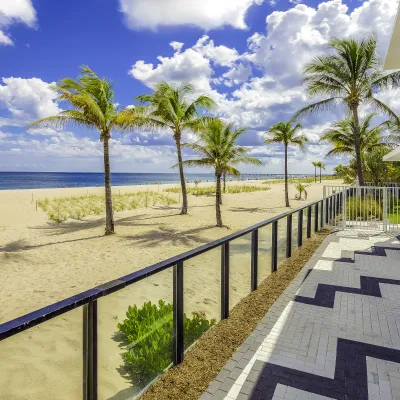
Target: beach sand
{"points": [[43, 262]]}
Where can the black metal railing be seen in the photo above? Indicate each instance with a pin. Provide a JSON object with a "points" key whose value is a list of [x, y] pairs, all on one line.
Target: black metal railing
{"points": [[315, 215]]}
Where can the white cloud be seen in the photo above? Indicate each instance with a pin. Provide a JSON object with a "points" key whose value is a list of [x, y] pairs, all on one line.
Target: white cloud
{"points": [[239, 73], [5, 40], [187, 66], [220, 55], [70, 152], [28, 99], [43, 132], [206, 14], [177, 46], [15, 11], [292, 38]]}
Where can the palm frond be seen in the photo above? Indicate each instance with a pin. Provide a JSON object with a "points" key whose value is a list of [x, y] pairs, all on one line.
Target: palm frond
{"points": [[317, 107]]}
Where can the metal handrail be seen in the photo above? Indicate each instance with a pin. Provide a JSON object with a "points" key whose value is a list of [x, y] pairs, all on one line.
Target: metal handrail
{"points": [[44, 314], [88, 298]]}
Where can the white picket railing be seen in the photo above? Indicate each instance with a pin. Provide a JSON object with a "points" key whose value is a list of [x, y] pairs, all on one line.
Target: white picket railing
{"points": [[366, 207]]}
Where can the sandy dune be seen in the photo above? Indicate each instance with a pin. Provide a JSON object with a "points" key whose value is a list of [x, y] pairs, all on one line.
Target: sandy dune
{"points": [[43, 262]]}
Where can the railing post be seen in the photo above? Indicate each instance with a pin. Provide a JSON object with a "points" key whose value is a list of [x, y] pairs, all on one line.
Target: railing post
{"points": [[344, 211], [178, 342], [322, 215], [330, 207], [254, 259], [384, 206], [300, 229], [274, 249], [326, 211], [90, 350], [309, 222], [337, 204], [316, 218], [289, 236], [225, 280]]}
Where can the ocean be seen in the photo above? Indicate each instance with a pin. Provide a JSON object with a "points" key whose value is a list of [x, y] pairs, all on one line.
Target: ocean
{"points": [[41, 180]]}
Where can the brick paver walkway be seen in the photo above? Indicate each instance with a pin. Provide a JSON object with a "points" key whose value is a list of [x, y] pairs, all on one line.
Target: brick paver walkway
{"points": [[334, 332]]}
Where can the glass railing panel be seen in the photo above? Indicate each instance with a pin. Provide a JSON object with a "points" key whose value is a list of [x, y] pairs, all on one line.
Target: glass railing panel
{"points": [[45, 361], [202, 294], [264, 252], [135, 327], [305, 211], [312, 220], [282, 230], [240, 269], [295, 222]]}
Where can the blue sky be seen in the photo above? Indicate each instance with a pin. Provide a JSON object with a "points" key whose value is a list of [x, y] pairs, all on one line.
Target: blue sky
{"points": [[247, 54]]}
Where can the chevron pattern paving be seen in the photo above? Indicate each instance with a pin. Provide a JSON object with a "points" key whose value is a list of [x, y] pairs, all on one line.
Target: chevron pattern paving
{"points": [[333, 334]]}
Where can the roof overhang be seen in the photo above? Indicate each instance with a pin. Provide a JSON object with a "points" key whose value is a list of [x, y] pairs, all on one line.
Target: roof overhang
{"points": [[392, 60], [393, 155]]}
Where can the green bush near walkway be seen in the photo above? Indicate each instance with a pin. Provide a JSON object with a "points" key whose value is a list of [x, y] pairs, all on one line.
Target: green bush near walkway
{"points": [[147, 333]]}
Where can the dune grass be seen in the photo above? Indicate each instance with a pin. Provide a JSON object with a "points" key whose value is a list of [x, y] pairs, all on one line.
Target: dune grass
{"points": [[209, 191], [60, 209], [307, 179]]}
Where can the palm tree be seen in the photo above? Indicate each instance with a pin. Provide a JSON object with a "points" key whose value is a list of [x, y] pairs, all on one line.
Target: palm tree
{"points": [[351, 77], [321, 167], [315, 163], [341, 137], [93, 107], [217, 148], [301, 188], [169, 108], [286, 133]]}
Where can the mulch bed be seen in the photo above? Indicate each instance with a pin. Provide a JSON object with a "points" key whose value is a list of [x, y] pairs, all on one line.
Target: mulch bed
{"points": [[213, 350]]}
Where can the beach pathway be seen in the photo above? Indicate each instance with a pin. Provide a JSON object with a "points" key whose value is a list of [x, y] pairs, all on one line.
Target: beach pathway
{"points": [[334, 332]]}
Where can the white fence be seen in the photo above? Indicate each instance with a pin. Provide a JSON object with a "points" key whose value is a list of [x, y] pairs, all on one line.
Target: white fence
{"points": [[366, 207]]}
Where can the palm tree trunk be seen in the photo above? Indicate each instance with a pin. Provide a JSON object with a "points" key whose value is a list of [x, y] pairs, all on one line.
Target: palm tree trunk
{"points": [[107, 185], [182, 177], [224, 182], [218, 200], [320, 175], [360, 175], [286, 179], [315, 174]]}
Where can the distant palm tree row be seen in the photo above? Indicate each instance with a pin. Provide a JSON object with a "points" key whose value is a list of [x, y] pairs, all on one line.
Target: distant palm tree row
{"points": [[350, 76], [321, 166]]}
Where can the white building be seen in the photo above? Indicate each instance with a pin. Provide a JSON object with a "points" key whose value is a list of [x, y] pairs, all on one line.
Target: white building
{"points": [[392, 61]]}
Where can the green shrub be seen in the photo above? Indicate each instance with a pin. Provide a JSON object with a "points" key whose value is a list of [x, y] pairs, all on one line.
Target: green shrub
{"points": [[147, 333], [366, 208]]}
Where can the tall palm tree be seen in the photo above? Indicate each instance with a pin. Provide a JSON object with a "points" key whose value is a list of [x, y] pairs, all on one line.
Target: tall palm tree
{"points": [[168, 107], [315, 163], [92, 106], [341, 136], [286, 133], [321, 167], [217, 148], [351, 76]]}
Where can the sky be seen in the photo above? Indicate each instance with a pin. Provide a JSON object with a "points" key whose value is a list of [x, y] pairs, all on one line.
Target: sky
{"points": [[248, 55]]}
